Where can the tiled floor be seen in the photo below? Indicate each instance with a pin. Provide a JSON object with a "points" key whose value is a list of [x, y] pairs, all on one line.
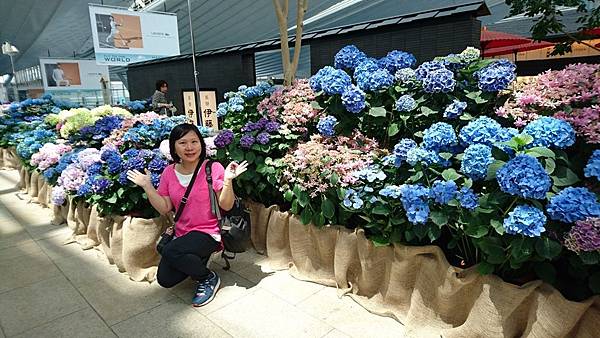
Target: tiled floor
{"points": [[48, 289]]}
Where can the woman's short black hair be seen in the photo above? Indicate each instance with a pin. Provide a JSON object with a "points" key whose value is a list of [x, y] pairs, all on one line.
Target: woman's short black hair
{"points": [[180, 131], [161, 83]]}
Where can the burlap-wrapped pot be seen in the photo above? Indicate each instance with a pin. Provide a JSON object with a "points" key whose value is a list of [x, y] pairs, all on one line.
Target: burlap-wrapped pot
{"points": [[76, 220], [58, 213], [116, 242], [49, 195], [105, 225], [91, 238], [259, 217], [11, 161], [33, 184], [26, 180], [139, 246], [42, 192], [278, 241], [22, 178], [2, 150]]}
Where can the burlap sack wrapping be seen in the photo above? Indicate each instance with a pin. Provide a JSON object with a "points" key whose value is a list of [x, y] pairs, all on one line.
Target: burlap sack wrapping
{"points": [[139, 247], [105, 225], [58, 214], [42, 192], [2, 150], [277, 241], [22, 178], [11, 161], [33, 184], [417, 286], [49, 195], [116, 242], [313, 252], [90, 239], [259, 217], [77, 217], [27, 180]]}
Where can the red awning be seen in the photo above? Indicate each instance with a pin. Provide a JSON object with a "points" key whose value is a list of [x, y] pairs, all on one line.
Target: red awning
{"points": [[531, 45], [492, 39], [592, 31]]}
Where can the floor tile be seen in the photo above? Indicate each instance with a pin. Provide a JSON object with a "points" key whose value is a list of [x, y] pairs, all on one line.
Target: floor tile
{"points": [[38, 304], [263, 314], [55, 248], [287, 287], [233, 287], [26, 270], [118, 298], [348, 317], [172, 319], [10, 237], [90, 266], [81, 324], [26, 248]]}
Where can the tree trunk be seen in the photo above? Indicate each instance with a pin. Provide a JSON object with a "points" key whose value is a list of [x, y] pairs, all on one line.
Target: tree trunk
{"points": [[290, 66]]}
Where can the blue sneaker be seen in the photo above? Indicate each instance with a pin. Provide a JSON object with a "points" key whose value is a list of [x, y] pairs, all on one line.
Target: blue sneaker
{"points": [[206, 290]]}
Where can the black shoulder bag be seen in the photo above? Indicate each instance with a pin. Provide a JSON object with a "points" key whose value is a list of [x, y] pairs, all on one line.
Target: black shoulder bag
{"points": [[235, 225], [166, 237]]}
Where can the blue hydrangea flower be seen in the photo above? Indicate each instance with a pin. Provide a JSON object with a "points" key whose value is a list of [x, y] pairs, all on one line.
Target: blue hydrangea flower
{"points": [[443, 191], [405, 75], [396, 59], [336, 82], [370, 174], [353, 99], [401, 150], [439, 81], [496, 76], [573, 204], [348, 57], [423, 156], [352, 200], [272, 127], [391, 191], [376, 80], [524, 176], [157, 164], [440, 136], [414, 200], [155, 178], [455, 109], [483, 130], [222, 109], [467, 198], [135, 163], [550, 132], [405, 103], [123, 178], [476, 160], [84, 190], [129, 153], [100, 185], [427, 67], [326, 125], [525, 220], [592, 168], [113, 160]]}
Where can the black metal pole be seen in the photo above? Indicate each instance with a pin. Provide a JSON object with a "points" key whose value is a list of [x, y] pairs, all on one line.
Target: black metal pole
{"points": [[198, 109]]}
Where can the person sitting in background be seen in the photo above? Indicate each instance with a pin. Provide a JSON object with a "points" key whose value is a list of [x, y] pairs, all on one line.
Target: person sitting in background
{"points": [[159, 99]]}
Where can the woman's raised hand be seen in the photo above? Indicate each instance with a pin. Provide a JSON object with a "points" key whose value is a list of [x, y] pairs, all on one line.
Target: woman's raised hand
{"points": [[139, 179], [234, 170]]}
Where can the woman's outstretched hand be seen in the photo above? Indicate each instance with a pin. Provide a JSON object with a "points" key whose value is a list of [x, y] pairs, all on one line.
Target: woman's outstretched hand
{"points": [[234, 170], [139, 179]]}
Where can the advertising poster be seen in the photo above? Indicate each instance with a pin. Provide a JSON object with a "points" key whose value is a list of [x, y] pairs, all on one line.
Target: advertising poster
{"points": [[122, 36], [65, 74]]}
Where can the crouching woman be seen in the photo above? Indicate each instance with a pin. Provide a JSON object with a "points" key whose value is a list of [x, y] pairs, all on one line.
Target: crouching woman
{"points": [[197, 232]]}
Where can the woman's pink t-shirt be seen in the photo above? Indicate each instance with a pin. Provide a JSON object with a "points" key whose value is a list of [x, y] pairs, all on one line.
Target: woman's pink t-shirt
{"points": [[197, 215]]}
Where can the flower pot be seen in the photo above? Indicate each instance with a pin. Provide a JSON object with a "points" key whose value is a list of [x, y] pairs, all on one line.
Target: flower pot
{"points": [[76, 217], [33, 184], [259, 217], [105, 225], [91, 239], [22, 178], [278, 241], [139, 246], [2, 150], [116, 242], [27, 180], [42, 192]]}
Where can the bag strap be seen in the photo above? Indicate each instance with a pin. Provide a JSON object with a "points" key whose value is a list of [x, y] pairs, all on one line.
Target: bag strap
{"points": [[187, 192], [214, 205]]}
